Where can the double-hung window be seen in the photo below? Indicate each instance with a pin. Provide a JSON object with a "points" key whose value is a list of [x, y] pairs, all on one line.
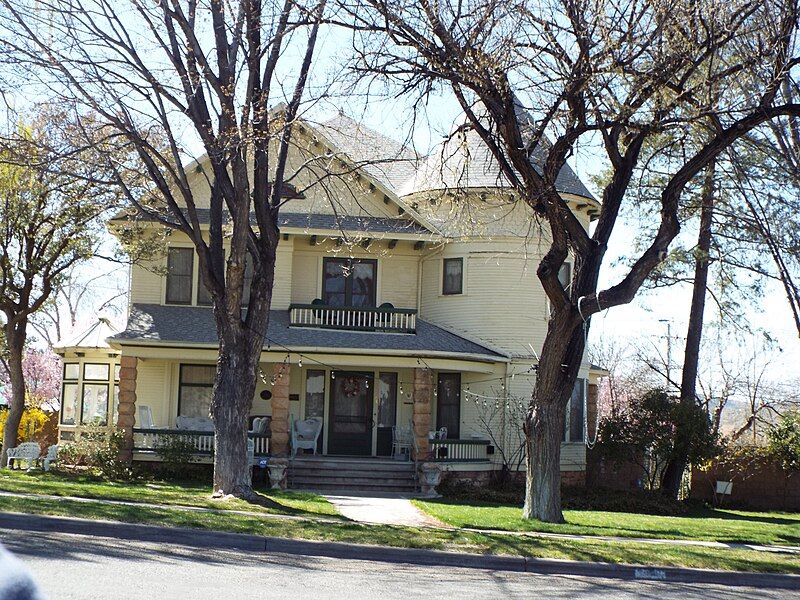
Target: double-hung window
{"points": [[180, 268], [69, 394], [574, 419], [94, 410], [194, 394], [452, 276]]}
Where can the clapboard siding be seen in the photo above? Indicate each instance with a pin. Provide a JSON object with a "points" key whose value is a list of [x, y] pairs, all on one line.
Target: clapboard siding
{"points": [[397, 270], [146, 282], [152, 389], [503, 303]]}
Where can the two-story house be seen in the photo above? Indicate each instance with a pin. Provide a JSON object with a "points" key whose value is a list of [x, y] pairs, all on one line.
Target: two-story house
{"points": [[405, 296]]}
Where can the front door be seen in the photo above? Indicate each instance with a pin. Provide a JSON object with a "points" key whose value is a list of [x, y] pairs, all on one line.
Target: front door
{"points": [[350, 423]]}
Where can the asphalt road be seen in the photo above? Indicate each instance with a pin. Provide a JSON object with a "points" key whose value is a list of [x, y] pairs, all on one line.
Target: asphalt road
{"points": [[71, 566]]}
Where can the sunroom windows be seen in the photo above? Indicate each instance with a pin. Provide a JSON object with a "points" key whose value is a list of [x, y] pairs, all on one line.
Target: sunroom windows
{"points": [[89, 392]]}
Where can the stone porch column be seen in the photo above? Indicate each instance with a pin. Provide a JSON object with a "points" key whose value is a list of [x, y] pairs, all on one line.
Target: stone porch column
{"points": [[127, 404], [423, 398], [279, 442]]}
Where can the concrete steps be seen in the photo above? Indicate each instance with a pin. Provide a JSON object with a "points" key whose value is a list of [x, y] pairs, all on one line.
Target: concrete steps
{"points": [[351, 474]]}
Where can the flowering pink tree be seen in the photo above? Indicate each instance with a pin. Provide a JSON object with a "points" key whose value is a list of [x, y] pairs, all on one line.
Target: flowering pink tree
{"points": [[42, 369]]}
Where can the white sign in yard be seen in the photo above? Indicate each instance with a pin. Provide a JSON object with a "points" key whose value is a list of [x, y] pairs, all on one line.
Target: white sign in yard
{"points": [[724, 487]]}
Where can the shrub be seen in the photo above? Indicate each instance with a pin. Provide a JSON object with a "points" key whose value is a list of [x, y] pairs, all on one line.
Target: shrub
{"points": [[638, 501], [99, 451], [783, 441], [32, 427], [648, 431], [176, 457]]}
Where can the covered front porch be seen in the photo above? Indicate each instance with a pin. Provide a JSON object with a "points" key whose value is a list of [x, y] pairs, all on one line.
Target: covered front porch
{"points": [[363, 411]]}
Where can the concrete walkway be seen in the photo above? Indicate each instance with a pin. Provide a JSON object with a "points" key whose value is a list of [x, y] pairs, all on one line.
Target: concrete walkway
{"points": [[384, 510]]}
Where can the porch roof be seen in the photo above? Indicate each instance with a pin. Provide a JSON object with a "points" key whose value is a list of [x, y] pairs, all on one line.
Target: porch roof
{"points": [[154, 324]]}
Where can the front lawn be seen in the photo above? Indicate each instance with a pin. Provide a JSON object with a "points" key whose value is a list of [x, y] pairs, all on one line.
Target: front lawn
{"points": [[409, 537], [159, 492], [699, 524]]}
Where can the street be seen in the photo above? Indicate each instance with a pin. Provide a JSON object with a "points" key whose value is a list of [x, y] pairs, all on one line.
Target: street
{"points": [[69, 566]]}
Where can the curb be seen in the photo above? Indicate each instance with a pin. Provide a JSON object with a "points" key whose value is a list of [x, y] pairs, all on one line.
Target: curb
{"points": [[253, 543]]}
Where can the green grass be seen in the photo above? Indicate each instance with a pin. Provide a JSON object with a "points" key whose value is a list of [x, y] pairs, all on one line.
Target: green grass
{"points": [[727, 526], [160, 492], [407, 537]]}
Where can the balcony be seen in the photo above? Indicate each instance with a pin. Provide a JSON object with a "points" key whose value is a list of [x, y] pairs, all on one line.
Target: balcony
{"points": [[386, 318]]}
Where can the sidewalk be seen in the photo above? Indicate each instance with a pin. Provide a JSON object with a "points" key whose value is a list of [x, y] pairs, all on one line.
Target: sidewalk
{"points": [[253, 544], [368, 510]]}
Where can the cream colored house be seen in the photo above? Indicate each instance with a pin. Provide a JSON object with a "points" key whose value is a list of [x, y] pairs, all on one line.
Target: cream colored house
{"points": [[405, 294]]}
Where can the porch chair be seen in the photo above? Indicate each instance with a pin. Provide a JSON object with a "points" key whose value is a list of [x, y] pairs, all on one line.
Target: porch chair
{"points": [[26, 452], [402, 441], [260, 425], [50, 457], [146, 417], [305, 434]]}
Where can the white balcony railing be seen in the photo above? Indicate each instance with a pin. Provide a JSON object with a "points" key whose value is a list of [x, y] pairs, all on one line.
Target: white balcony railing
{"points": [[353, 318]]}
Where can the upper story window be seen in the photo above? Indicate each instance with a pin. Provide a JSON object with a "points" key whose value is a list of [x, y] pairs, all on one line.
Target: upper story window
{"points": [[349, 282], [204, 296], [452, 276], [180, 266]]}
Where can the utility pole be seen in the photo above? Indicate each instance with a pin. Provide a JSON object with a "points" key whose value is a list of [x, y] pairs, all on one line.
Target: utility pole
{"points": [[669, 348]]}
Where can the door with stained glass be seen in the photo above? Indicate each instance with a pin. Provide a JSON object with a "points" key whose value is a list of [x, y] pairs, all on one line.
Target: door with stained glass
{"points": [[350, 417]]}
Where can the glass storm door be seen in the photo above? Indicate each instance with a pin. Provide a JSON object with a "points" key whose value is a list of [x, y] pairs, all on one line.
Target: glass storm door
{"points": [[350, 421]]}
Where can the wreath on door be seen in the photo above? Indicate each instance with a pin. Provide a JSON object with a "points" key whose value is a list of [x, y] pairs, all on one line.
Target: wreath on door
{"points": [[351, 387]]}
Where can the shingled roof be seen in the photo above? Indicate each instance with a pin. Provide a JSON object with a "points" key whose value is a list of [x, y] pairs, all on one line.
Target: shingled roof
{"points": [[386, 160], [154, 323], [328, 222], [464, 161]]}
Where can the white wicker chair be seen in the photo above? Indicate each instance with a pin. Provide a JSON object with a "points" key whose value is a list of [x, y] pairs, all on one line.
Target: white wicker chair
{"points": [[305, 434], [51, 457], [26, 452], [402, 442]]}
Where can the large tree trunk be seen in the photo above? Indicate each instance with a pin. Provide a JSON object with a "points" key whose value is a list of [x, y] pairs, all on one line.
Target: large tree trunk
{"points": [[240, 347], [673, 472], [543, 463], [562, 353], [15, 340], [234, 387]]}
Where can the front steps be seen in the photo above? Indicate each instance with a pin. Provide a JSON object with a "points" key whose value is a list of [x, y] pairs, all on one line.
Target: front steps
{"points": [[335, 474]]}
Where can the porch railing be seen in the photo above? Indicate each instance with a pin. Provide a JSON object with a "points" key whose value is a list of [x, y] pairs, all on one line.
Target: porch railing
{"points": [[353, 318], [151, 440], [460, 450]]}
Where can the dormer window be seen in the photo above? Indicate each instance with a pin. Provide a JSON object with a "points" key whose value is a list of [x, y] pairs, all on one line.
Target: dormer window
{"points": [[452, 276], [180, 265]]}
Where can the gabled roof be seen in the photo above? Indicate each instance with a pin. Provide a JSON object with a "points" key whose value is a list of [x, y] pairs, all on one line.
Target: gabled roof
{"points": [[193, 325], [93, 337], [464, 161]]}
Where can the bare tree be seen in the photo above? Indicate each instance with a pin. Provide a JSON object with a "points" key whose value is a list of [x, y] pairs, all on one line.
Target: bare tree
{"points": [[50, 208], [536, 77], [76, 294], [158, 72]]}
